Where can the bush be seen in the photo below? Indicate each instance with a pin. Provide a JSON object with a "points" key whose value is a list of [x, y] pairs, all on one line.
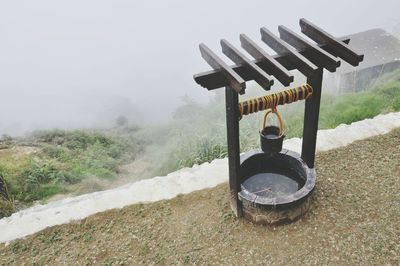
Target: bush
{"points": [[121, 121], [7, 203], [55, 136], [65, 158], [190, 152]]}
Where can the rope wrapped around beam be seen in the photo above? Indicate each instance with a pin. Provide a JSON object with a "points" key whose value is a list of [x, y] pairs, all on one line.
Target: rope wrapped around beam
{"points": [[254, 105]]}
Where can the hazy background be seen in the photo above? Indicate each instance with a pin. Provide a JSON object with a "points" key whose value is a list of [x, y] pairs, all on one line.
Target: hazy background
{"points": [[82, 63]]}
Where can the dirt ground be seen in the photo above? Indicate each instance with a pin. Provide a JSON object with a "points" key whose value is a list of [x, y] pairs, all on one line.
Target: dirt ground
{"points": [[354, 220]]}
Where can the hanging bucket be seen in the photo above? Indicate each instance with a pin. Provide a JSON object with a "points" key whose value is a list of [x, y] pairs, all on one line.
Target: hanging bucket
{"points": [[271, 137]]}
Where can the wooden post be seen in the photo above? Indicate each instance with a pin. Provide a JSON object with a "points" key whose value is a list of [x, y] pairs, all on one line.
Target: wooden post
{"points": [[232, 127], [311, 115]]}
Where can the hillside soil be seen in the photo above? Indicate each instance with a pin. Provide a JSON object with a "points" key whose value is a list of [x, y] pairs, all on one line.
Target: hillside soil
{"points": [[353, 220]]}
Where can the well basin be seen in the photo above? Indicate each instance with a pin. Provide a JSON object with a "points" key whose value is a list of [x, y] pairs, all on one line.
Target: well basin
{"points": [[275, 187]]}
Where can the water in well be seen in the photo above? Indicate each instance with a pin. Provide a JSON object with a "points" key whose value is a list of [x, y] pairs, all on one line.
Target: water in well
{"points": [[273, 184]]}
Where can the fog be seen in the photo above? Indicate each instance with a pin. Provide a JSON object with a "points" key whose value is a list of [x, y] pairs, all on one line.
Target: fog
{"points": [[73, 63]]}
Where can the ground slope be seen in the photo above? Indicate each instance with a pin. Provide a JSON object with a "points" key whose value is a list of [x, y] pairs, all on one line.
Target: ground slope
{"points": [[354, 219]]}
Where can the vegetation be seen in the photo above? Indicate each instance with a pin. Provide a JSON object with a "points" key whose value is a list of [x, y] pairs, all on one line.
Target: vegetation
{"points": [[353, 220], [7, 203], [195, 137], [58, 161], [47, 162], [121, 120]]}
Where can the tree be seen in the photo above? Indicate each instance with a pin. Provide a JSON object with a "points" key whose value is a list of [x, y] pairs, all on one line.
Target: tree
{"points": [[121, 120]]}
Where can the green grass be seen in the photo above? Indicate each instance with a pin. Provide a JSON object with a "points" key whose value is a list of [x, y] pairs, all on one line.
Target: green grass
{"points": [[357, 106], [61, 159], [197, 134], [7, 203]]}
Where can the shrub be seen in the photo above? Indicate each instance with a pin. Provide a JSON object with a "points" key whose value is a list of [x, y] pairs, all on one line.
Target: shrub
{"points": [[55, 136], [7, 203], [65, 158], [121, 121]]}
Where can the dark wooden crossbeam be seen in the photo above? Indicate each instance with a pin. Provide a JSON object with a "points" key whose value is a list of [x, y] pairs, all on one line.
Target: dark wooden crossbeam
{"points": [[302, 64], [215, 79], [269, 63], [337, 47], [234, 80], [262, 78], [315, 54]]}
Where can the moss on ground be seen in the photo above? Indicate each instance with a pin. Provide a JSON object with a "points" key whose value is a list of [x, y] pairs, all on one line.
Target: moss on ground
{"points": [[353, 220]]}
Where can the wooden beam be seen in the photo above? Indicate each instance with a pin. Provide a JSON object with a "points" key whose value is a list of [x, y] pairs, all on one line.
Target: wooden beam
{"points": [[215, 79], [316, 55], [311, 116], [232, 126], [254, 105], [302, 64], [234, 80], [274, 67], [340, 49], [262, 78]]}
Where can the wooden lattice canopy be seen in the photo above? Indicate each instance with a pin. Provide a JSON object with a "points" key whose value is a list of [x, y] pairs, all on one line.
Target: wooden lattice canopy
{"points": [[293, 51]]}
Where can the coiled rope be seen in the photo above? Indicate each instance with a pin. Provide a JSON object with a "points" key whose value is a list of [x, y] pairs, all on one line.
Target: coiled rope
{"points": [[254, 105]]}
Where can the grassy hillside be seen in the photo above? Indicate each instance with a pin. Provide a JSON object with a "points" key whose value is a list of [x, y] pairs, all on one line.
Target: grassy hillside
{"points": [[353, 220], [47, 163], [198, 133], [50, 162]]}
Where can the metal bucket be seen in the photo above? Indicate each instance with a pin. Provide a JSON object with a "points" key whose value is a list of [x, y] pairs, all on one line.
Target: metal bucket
{"points": [[271, 137]]}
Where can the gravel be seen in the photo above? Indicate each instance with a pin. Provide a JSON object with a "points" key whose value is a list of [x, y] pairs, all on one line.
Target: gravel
{"points": [[353, 220]]}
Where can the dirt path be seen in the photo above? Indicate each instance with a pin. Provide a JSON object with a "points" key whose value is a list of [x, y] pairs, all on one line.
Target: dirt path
{"points": [[132, 172], [354, 220]]}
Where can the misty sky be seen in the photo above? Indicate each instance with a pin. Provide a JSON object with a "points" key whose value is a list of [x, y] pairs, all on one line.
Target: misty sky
{"points": [[79, 63]]}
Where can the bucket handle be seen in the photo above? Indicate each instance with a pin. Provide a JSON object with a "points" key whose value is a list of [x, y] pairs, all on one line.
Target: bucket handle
{"points": [[274, 111]]}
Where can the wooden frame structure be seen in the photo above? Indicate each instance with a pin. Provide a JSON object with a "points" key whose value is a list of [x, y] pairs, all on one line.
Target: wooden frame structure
{"points": [[293, 52]]}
